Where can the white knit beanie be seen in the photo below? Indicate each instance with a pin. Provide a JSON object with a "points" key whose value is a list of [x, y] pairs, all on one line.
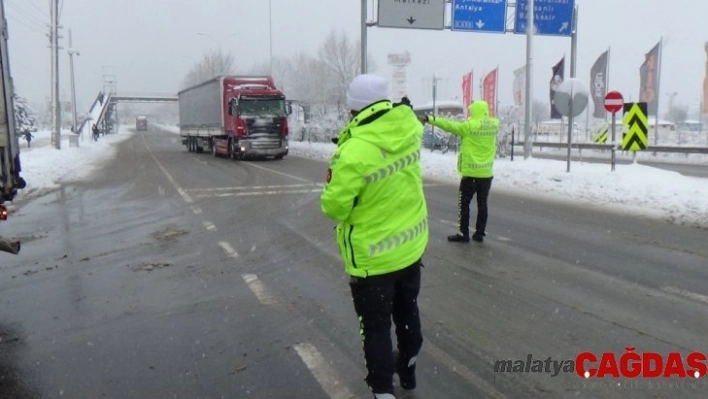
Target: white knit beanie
{"points": [[366, 89]]}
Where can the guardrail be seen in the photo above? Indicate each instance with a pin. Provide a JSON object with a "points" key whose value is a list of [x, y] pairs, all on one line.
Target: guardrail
{"points": [[595, 146]]}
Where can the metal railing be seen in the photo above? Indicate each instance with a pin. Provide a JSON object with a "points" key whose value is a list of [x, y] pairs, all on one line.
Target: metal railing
{"points": [[608, 147]]}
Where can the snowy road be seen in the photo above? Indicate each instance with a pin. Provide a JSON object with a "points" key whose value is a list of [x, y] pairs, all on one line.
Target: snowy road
{"points": [[173, 274]]}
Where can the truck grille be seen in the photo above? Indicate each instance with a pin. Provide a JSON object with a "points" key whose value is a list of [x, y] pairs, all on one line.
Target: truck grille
{"points": [[264, 144]]}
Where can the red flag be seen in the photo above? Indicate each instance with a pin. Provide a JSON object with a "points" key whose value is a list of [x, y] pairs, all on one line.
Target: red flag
{"points": [[489, 91], [705, 85], [467, 89]]}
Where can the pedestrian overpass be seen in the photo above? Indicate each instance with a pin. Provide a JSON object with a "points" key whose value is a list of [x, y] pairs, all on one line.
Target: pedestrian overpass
{"points": [[103, 111]]}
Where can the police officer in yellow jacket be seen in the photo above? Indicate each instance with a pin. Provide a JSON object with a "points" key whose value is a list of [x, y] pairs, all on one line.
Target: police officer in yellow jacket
{"points": [[374, 192], [475, 163]]}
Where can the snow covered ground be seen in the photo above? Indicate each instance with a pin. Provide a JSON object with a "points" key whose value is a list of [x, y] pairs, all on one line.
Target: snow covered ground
{"points": [[632, 189], [45, 168], [636, 189]]}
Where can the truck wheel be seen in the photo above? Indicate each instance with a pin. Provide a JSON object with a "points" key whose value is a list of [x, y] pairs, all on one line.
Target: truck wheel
{"points": [[278, 157]]}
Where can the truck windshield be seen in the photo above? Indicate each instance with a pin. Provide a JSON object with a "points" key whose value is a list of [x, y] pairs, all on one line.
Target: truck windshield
{"points": [[262, 108]]}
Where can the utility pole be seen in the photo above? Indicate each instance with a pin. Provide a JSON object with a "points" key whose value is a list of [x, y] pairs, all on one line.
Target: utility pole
{"points": [[270, 36], [529, 77], [54, 44], [72, 52], [363, 38], [671, 101]]}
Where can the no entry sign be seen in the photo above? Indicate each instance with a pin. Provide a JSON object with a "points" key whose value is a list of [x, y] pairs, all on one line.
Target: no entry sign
{"points": [[614, 102]]}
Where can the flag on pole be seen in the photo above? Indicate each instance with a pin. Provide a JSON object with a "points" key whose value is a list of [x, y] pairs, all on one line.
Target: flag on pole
{"points": [[649, 80], [556, 80], [489, 91], [705, 84], [467, 88], [598, 84]]}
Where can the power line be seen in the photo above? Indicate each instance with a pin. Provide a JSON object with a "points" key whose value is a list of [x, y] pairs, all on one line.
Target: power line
{"points": [[36, 7], [28, 26], [61, 8], [29, 15]]}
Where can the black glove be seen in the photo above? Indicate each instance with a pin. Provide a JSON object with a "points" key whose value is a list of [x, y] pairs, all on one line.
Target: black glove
{"points": [[335, 140]]}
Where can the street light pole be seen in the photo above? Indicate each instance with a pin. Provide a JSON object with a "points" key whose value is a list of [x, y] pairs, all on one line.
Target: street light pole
{"points": [[270, 35], [72, 52]]}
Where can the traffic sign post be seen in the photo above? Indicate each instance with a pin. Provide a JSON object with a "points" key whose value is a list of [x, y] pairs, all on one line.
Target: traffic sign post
{"points": [[614, 102], [551, 17], [571, 99], [479, 16], [412, 14]]}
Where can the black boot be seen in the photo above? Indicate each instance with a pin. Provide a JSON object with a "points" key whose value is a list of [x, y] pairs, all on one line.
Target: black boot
{"points": [[406, 372], [478, 236], [458, 238]]}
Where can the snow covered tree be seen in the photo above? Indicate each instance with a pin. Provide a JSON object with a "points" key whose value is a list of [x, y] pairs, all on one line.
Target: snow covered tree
{"points": [[25, 119], [211, 65]]}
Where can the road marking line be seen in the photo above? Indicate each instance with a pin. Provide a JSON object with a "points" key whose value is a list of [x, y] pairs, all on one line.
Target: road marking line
{"points": [[230, 251], [274, 192], [462, 370], [259, 289], [685, 293], [252, 187], [449, 223], [196, 210], [179, 189], [324, 374], [209, 225], [277, 172], [315, 242]]}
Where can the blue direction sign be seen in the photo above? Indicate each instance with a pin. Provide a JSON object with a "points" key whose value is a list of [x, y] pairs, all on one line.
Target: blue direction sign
{"points": [[551, 17], [479, 15]]}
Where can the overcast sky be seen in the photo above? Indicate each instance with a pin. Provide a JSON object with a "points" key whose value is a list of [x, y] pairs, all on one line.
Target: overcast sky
{"points": [[150, 44]]}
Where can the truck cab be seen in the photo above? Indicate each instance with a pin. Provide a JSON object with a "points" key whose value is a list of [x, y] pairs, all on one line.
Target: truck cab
{"points": [[261, 124], [141, 123]]}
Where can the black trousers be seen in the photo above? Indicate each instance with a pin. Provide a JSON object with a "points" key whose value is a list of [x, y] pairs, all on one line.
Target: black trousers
{"points": [[469, 186], [376, 300]]}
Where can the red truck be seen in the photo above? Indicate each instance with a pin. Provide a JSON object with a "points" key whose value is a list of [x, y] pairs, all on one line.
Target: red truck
{"points": [[235, 116]]}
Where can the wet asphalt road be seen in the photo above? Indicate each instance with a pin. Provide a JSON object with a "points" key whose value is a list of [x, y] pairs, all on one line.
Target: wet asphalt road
{"points": [[177, 275]]}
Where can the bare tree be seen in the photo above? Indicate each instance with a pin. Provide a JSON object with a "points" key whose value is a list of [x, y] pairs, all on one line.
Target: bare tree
{"points": [[540, 111], [678, 113], [212, 64]]}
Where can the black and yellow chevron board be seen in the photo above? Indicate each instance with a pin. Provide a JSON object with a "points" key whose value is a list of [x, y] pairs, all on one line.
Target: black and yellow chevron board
{"points": [[602, 136], [635, 118]]}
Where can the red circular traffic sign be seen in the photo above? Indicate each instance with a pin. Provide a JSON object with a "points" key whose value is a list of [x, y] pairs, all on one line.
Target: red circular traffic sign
{"points": [[614, 101]]}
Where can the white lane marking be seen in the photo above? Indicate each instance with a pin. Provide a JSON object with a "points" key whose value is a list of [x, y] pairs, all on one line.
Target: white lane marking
{"points": [[259, 289], [447, 222], [230, 251], [315, 242], [209, 225], [253, 187], [196, 210], [462, 370], [179, 189], [248, 194], [324, 374], [277, 172], [685, 293], [160, 190]]}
